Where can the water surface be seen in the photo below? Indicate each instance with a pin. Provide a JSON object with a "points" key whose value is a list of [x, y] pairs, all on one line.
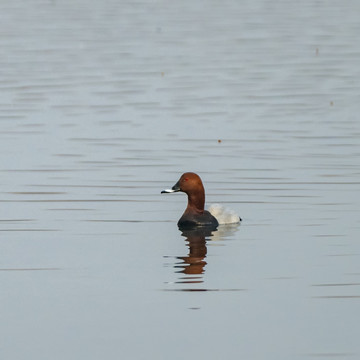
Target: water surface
{"points": [[104, 104]]}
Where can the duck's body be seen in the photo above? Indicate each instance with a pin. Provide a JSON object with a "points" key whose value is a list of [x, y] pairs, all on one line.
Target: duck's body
{"points": [[192, 219], [194, 215]]}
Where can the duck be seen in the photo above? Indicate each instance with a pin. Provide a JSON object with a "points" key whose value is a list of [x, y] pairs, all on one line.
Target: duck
{"points": [[195, 214]]}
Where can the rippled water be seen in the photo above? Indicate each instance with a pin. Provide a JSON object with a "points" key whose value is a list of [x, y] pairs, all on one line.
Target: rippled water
{"points": [[104, 104]]}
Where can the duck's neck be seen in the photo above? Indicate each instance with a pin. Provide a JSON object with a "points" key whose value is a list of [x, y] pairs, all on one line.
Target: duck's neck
{"points": [[196, 201]]}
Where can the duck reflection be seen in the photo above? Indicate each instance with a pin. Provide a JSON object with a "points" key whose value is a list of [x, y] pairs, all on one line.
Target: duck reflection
{"points": [[194, 263]]}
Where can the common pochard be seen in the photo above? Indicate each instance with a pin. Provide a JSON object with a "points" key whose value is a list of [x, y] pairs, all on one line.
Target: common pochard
{"points": [[195, 215]]}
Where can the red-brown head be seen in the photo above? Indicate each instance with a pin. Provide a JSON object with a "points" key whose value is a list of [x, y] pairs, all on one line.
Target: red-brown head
{"points": [[191, 184]]}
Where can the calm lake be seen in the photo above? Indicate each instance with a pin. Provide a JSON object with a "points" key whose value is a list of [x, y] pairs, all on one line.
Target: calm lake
{"points": [[103, 104]]}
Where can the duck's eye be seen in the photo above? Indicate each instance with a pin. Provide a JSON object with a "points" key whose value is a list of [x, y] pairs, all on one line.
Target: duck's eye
{"points": [[186, 179]]}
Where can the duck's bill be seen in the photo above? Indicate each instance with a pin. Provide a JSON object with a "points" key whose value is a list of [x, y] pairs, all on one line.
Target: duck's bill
{"points": [[175, 188], [168, 191]]}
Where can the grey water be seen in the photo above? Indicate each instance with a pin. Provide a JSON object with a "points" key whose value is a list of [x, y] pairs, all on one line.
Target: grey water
{"points": [[103, 104]]}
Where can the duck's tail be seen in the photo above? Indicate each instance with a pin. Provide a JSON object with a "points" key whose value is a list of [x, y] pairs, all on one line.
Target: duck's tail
{"points": [[223, 214]]}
